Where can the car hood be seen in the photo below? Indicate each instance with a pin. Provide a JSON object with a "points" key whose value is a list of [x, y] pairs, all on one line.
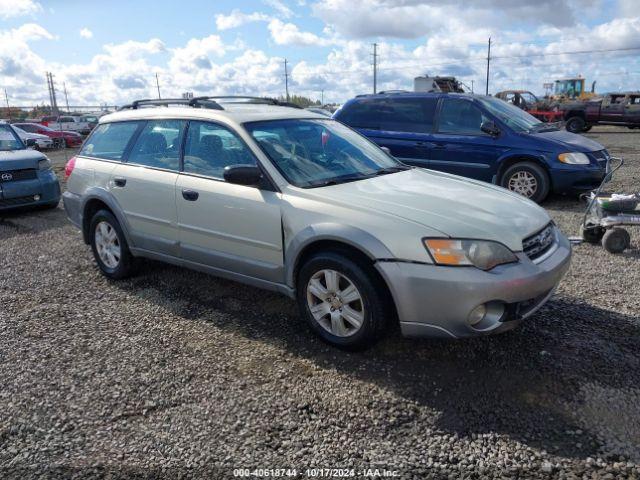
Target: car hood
{"points": [[568, 141], [455, 206], [19, 159]]}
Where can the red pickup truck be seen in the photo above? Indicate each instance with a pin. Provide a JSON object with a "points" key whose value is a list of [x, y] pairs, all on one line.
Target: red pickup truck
{"points": [[621, 108]]}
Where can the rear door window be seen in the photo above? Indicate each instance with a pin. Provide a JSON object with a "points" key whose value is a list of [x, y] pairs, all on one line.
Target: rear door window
{"points": [[414, 115], [460, 117], [158, 145], [110, 140]]}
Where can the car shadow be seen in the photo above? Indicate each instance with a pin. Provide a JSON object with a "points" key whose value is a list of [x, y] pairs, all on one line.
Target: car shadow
{"points": [[31, 220], [524, 384]]}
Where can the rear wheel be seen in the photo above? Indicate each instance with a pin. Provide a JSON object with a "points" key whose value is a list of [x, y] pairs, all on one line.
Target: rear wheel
{"points": [[109, 246], [616, 240], [342, 300], [527, 179], [575, 124]]}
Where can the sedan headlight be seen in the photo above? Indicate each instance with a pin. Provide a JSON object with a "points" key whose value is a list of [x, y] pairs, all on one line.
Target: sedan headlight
{"points": [[483, 254], [574, 158], [44, 164]]}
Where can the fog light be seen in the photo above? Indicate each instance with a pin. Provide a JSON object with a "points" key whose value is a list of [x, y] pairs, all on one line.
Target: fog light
{"points": [[36, 197], [477, 315]]}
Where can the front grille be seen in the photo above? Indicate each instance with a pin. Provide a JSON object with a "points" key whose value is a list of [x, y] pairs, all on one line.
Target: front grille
{"points": [[602, 157], [16, 175], [16, 202], [539, 243]]}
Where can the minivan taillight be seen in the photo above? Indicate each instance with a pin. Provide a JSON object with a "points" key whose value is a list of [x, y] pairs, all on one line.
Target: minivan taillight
{"points": [[68, 169]]}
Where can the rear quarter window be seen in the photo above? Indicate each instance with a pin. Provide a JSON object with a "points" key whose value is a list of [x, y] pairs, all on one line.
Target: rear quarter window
{"points": [[413, 115], [110, 140]]}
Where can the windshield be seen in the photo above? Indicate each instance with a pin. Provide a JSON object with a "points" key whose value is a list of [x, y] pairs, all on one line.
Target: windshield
{"points": [[517, 119], [313, 153], [9, 140]]}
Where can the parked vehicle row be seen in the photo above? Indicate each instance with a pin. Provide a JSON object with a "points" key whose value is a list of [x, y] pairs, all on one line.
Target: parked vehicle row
{"points": [[60, 139], [479, 137], [622, 108], [26, 177], [71, 123], [289, 200]]}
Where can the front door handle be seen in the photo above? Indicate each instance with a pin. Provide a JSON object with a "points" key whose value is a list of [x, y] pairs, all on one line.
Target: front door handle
{"points": [[119, 181], [190, 195], [439, 146]]}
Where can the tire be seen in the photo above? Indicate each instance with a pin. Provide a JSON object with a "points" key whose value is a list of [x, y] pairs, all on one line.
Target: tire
{"points": [[575, 124], [108, 225], [371, 308], [587, 128], [616, 240], [528, 179], [593, 234]]}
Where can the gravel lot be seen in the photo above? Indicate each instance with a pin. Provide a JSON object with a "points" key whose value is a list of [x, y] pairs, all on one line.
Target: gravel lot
{"points": [[179, 375]]}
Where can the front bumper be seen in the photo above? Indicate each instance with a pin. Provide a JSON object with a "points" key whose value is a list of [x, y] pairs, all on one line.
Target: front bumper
{"points": [[435, 301], [43, 190]]}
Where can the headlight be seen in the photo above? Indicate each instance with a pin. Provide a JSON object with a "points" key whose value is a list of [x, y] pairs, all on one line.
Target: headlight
{"points": [[44, 164], [482, 254], [574, 158]]}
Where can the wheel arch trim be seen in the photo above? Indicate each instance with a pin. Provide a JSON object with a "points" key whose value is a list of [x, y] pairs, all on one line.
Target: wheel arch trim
{"points": [[102, 195]]}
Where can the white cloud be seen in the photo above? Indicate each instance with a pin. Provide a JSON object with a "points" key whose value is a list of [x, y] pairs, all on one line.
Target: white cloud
{"points": [[86, 33], [280, 7], [18, 8], [237, 18], [289, 34]]}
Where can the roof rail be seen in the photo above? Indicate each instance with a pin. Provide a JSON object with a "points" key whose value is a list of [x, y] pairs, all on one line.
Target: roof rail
{"points": [[207, 102], [199, 102], [242, 99]]}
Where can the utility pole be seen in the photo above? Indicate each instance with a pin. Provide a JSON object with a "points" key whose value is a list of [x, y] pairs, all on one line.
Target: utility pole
{"points": [[375, 68], [158, 86], [286, 79], [488, 62], [52, 94], [322, 97], [66, 99], [6, 97], [471, 86]]}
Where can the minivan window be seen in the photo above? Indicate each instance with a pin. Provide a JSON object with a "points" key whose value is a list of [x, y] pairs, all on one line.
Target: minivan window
{"points": [[461, 117], [393, 114], [210, 148], [9, 140], [109, 140], [158, 145], [516, 118]]}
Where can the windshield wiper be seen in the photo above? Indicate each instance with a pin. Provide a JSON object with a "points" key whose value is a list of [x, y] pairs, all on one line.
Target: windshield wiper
{"points": [[397, 168], [337, 181]]}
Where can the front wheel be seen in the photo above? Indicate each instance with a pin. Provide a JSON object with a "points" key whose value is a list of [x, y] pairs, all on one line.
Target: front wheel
{"points": [[343, 301], [527, 179], [575, 124], [109, 246]]}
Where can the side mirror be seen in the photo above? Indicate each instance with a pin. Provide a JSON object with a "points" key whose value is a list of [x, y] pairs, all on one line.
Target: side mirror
{"points": [[386, 150], [242, 174], [30, 142], [490, 128]]}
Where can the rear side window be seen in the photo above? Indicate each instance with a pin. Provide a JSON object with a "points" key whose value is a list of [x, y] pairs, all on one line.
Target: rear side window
{"points": [[413, 115], [158, 145], [210, 148], [109, 140], [460, 117]]}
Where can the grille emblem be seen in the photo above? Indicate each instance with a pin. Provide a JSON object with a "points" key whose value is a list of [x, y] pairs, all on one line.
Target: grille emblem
{"points": [[6, 177]]}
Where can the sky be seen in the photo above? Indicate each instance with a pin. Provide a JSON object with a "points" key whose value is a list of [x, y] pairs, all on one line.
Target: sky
{"points": [[110, 52]]}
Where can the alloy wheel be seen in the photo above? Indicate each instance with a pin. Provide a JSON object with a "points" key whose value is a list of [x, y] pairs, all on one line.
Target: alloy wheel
{"points": [[107, 244], [335, 303], [524, 183]]}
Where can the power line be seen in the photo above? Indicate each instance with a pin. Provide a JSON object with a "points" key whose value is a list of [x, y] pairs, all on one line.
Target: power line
{"points": [[575, 52]]}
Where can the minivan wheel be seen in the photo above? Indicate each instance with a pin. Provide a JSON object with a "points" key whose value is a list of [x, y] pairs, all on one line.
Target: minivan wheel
{"points": [[527, 179], [109, 246], [575, 124], [341, 300]]}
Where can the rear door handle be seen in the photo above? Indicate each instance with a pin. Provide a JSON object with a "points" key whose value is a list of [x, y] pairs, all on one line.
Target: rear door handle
{"points": [[190, 195], [120, 182]]}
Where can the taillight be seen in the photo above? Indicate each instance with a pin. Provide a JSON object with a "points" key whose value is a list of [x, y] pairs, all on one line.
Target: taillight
{"points": [[68, 169]]}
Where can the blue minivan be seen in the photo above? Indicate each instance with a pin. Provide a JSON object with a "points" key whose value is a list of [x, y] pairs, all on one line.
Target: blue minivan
{"points": [[479, 137]]}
